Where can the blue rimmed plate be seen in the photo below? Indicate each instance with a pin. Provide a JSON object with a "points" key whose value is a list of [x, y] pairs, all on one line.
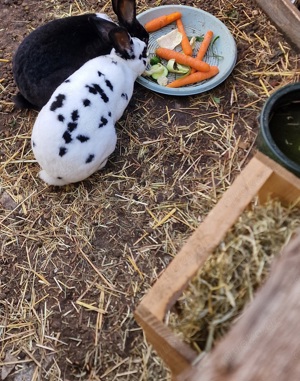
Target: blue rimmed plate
{"points": [[222, 53]]}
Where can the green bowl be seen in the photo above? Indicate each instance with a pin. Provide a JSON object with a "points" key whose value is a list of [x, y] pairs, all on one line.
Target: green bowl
{"points": [[279, 133]]}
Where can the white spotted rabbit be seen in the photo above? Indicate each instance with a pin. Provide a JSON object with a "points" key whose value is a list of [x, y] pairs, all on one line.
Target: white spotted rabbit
{"points": [[54, 51], [74, 133]]}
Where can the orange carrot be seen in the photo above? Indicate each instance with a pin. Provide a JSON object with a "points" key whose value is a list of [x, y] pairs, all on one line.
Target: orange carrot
{"points": [[185, 43], [161, 21], [204, 46], [194, 78], [183, 59]]}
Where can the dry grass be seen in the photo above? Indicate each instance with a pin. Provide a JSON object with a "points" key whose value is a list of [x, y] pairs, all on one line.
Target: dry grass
{"points": [[229, 278], [75, 261]]}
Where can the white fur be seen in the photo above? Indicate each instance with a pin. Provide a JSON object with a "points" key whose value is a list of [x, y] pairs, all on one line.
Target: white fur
{"points": [[48, 131]]}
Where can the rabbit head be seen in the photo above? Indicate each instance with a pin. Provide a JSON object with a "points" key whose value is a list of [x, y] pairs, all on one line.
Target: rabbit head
{"points": [[131, 49]]}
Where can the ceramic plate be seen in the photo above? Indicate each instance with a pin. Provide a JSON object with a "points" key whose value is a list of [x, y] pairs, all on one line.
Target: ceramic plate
{"points": [[222, 52]]}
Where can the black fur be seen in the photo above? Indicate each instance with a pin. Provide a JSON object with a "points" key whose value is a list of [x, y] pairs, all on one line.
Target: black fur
{"points": [[103, 122], [96, 89], [72, 126], [109, 85], [59, 101], [67, 136], [62, 151], [75, 115], [86, 102], [90, 159], [82, 138], [54, 51]]}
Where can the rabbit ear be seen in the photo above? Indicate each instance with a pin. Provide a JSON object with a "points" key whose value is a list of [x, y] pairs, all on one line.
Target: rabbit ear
{"points": [[103, 27], [121, 41], [115, 6], [125, 10]]}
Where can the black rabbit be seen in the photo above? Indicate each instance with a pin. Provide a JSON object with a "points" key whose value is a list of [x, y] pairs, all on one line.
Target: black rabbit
{"points": [[54, 51]]}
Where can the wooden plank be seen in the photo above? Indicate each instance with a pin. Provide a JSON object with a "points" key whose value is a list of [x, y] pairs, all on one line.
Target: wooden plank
{"points": [[169, 347], [282, 184], [206, 237], [286, 18], [264, 344]]}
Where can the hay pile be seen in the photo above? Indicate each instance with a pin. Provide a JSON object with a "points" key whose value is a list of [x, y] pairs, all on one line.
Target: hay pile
{"points": [[229, 278]]}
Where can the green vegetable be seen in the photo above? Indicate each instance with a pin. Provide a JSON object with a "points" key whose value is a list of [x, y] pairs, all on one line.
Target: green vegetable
{"points": [[157, 71], [175, 67], [154, 60]]}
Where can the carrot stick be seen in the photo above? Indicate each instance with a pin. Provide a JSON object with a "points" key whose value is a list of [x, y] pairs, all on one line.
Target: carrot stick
{"points": [[183, 59], [194, 78], [161, 21], [204, 46], [185, 43]]}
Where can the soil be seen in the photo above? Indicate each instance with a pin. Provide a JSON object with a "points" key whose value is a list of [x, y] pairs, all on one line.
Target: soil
{"points": [[75, 261]]}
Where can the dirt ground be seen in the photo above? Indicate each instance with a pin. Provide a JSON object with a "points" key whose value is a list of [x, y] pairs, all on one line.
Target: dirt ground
{"points": [[76, 260]]}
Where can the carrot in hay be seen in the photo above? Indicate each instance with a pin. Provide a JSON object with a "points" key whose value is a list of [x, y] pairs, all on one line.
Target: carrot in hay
{"points": [[183, 59], [161, 21], [185, 43], [194, 78]]}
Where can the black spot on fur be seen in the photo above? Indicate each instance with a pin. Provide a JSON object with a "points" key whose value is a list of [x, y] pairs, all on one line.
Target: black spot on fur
{"points": [[96, 89], [59, 178], [109, 85], [92, 89], [109, 113], [103, 122], [72, 126], [90, 159], [75, 115], [62, 151], [67, 136], [114, 62], [82, 138], [33, 144], [61, 118], [67, 81], [125, 96], [86, 102], [58, 102], [99, 73]]}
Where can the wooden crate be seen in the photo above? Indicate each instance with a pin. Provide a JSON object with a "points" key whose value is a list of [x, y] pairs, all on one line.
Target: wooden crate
{"points": [[286, 18], [261, 177]]}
